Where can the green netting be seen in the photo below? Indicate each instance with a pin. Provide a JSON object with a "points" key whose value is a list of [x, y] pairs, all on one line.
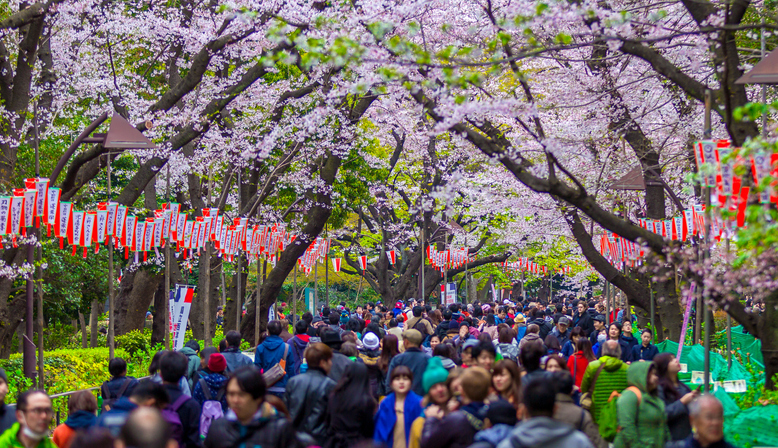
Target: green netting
{"points": [[694, 358], [730, 407], [749, 346], [753, 427]]}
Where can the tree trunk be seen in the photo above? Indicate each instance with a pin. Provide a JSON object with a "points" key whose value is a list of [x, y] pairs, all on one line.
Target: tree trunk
{"points": [[158, 324], [82, 325], [136, 292], [94, 315], [197, 315]]}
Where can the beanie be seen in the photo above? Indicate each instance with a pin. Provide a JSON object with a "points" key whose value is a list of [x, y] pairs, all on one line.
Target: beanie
{"points": [[217, 363], [434, 374]]}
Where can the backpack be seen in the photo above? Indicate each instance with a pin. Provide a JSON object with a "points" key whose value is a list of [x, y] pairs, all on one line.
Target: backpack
{"points": [[421, 328], [170, 414], [108, 399], [609, 416], [212, 409]]}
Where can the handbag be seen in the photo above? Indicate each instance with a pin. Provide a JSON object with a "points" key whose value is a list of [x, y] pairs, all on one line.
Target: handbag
{"points": [[586, 397], [278, 371]]}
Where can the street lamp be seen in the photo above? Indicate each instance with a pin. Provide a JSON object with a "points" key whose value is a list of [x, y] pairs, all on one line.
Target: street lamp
{"points": [[121, 135]]}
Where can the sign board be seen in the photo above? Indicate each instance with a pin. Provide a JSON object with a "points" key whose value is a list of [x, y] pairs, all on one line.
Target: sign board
{"points": [[448, 293], [180, 305], [684, 368], [698, 377]]}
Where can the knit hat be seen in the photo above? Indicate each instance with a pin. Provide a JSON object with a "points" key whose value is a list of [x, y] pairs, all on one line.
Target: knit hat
{"points": [[370, 341], [3, 376], [433, 374], [217, 363]]}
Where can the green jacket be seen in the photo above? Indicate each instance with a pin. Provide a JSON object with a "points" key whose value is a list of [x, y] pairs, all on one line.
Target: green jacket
{"points": [[642, 424], [613, 377], [194, 365], [9, 439]]}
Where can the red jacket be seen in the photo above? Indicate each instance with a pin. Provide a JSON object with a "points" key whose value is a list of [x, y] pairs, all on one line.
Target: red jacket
{"points": [[577, 365]]}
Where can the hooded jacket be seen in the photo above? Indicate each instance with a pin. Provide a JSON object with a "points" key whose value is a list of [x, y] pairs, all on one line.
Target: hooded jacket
{"points": [[375, 375], [643, 423], [269, 353], [584, 321], [612, 377], [298, 344], [78, 421], [194, 364], [455, 430], [529, 337], [543, 432], [509, 351]]}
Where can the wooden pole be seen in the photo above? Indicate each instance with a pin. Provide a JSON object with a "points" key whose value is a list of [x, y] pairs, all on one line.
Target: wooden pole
{"points": [[39, 271], [166, 308], [111, 313]]}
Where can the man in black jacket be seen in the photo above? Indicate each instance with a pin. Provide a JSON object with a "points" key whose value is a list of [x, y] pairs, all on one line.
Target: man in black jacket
{"points": [[248, 424], [539, 319], [307, 394], [172, 368], [414, 358], [339, 361]]}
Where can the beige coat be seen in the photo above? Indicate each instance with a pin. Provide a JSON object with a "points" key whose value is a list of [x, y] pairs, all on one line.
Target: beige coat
{"points": [[578, 418]]}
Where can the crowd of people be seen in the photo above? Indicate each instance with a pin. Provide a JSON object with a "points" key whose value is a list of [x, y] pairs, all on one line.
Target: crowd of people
{"points": [[410, 376]]}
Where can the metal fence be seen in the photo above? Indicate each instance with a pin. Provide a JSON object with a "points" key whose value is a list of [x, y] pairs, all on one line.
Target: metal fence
{"points": [[66, 394]]}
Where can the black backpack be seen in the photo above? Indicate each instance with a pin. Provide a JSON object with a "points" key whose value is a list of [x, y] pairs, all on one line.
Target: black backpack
{"points": [[108, 399]]}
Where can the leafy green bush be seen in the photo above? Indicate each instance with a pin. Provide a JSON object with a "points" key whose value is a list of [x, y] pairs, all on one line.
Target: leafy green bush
{"points": [[135, 342], [70, 370]]}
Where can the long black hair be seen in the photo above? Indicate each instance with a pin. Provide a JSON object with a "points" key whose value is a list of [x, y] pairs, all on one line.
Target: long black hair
{"points": [[662, 362]]}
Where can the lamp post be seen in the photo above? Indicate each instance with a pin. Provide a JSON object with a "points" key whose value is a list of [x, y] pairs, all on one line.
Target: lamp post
{"points": [[121, 135]]}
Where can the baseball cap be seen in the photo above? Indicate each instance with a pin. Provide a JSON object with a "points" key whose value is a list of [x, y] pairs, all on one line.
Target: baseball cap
{"points": [[564, 321], [599, 318]]}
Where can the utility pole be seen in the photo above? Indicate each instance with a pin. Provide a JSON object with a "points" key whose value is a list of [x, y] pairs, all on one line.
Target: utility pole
{"points": [[111, 314], [166, 303], [707, 134]]}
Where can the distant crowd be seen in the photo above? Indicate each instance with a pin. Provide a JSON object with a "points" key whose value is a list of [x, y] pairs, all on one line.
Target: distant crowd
{"points": [[406, 376]]}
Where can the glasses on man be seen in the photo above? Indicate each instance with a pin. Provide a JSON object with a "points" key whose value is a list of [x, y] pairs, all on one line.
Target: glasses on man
{"points": [[40, 411]]}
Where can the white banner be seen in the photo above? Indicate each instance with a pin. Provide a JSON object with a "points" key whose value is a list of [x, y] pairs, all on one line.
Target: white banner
{"points": [[180, 305]]}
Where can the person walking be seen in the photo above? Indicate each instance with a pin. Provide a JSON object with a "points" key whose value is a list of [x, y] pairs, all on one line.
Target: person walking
{"points": [[274, 351], [307, 394], [539, 429], [583, 319], [457, 429], [82, 408], [567, 411], [214, 382], [437, 394], [707, 417], [641, 412], [370, 355], [350, 409], [299, 343], [603, 377], [398, 410], [235, 359], [147, 394], [614, 334], [173, 366], [645, 351], [676, 395], [120, 385], [248, 423], [34, 413], [506, 381], [579, 361], [413, 358], [192, 350]]}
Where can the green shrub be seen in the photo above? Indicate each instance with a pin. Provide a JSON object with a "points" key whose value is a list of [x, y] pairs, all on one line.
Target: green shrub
{"points": [[135, 342], [70, 370]]}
